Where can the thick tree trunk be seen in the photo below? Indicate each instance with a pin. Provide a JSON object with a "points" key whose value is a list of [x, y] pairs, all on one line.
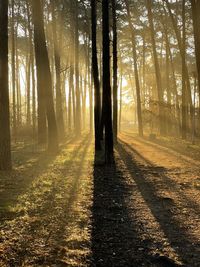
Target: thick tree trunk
{"points": [[5, 142], [44, 77]]}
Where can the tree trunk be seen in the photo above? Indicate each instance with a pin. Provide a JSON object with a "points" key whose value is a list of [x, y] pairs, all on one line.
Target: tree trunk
{"points": [[78, 101], [5, 142], [115, 71], [57, 47], [157, 68], [184, 105], [137, 83], [95, 71], [13, 54], [44, 77], [109, 157], [196, 23], [182, 52]]}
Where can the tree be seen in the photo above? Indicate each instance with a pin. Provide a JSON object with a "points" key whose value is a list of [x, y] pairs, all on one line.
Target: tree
{"points": [[77, 78], [57, 48], [182, 49], [13, 68], [44, 78], [156, 65], [196, 23], [95, 71], [115, 70], [184, 106], [5, 140], [137, 82], [106, 84]]}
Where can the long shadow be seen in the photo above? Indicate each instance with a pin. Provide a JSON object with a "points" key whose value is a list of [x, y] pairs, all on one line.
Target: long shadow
{"points": [[115, 231], [68, 164], [185, 150], [172, 186], [49, 216], [184, 245], [15, 183], [68, 216]]}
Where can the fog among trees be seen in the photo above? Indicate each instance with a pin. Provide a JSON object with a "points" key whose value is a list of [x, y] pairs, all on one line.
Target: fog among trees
{"points": [[99, 111]]}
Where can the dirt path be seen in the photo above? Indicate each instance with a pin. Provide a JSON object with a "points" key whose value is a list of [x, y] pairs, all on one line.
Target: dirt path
{"points": [[67, 211], [168, 182]]}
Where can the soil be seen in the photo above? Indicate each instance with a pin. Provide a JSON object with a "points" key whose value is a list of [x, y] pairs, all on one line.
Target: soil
{"points": [[72, 210]]}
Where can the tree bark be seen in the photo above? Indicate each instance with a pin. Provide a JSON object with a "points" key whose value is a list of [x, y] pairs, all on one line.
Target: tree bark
{"points": [[5, 140], [137, 83], [157, 68], [44, 77], [109, 157], [57, 60], [77, 78], [13, 60], [196, 23], [115, 72], [184, 105], [95, 71]]}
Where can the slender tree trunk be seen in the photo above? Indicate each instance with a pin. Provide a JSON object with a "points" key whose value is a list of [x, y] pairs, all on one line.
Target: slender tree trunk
{"points": [[91, 100], [137, 83], [42, 125], [57, 48], [120, 102], [196, 23], [28, 63], [95, 71], [31, 76], [84, 95], [28, 88], [157, 68], [109, 157], [13, 55], [182, 51], [115, 71], [184, 105], [33, 92], [78, 101], [5, 141], [144, 70], [168, 110], [19, 119]]}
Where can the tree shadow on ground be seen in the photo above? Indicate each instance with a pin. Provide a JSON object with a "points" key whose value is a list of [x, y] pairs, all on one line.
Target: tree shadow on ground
{"points": [[115, 239], [167, 181], [180, 240], [67, 235], [16, 182], [176, 145], [52, 216]]}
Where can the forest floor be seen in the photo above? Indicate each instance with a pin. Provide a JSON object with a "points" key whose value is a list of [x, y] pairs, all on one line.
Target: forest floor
{"points": [[71, 210]]}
